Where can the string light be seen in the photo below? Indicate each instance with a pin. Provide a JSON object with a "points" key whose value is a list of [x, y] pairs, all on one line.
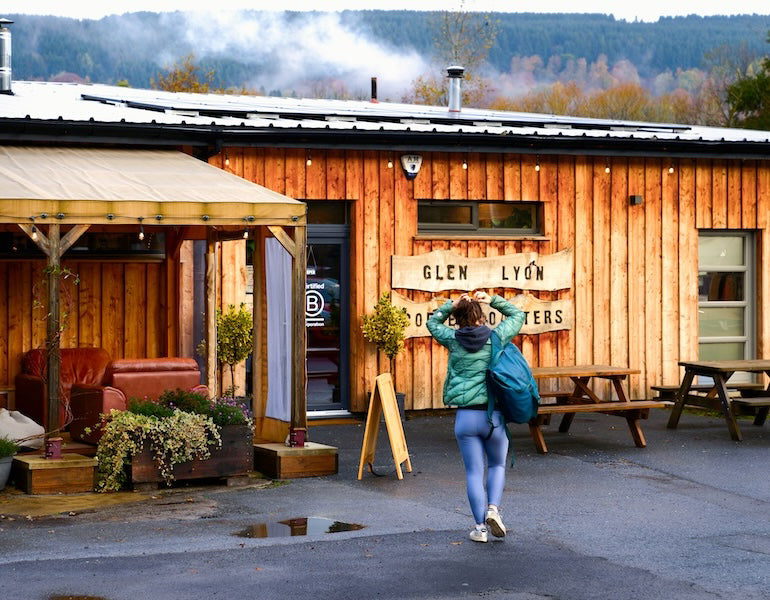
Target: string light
{"points": [[465, 164], [114, 218], [34, 229], [249, 219], [671, 168], [537, 164], [390, 162], [309, 159], [141, 229], [607, 165], [227, 160]]}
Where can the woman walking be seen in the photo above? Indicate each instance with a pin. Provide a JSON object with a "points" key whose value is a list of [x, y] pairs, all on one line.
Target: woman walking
{"points": [[465, 387]]}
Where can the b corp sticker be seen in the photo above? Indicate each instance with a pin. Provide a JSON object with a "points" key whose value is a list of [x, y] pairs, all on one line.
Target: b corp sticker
{"points": [[314, 305]]}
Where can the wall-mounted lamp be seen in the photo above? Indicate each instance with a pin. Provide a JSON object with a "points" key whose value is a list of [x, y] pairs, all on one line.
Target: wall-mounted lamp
{"points": [[537, 164], [634, 200], [141, 229]]}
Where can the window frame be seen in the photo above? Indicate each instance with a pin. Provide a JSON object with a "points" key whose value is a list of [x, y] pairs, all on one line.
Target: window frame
{"points": [[473, 226]]}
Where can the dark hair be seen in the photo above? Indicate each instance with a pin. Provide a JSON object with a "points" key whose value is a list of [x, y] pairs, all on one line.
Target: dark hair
{"points": [[468, 313]]}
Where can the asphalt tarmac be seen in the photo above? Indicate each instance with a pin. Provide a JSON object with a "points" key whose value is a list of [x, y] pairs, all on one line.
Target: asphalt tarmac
{"points": [[688, 517]]}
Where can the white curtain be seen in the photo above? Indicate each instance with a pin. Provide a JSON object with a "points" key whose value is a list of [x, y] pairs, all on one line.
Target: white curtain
{"points": [[278, 278]]}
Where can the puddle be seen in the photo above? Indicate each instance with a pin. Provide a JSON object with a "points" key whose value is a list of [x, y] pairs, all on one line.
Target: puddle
{"points": [[299, 526]]}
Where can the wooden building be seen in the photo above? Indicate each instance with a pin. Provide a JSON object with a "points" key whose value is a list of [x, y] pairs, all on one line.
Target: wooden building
{"points": [[658, 233]]}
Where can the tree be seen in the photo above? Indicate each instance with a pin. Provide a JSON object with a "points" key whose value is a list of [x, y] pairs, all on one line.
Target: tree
{"points": [[184, 77], [558, 99], [749, 96], [625, 101], [460, 38], [727, 66]]}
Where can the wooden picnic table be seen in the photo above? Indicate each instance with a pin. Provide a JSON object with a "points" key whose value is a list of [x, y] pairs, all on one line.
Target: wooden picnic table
{"points": [[720, 371], [583, 399]]}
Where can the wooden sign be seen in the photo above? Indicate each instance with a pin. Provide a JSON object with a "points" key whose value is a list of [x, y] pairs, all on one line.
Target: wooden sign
{"points": [[443, 270], [383, 400], [542, 315]]}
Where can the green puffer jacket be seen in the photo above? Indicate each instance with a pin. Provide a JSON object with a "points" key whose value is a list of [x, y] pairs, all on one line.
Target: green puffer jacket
{"points": [[466, 376]]}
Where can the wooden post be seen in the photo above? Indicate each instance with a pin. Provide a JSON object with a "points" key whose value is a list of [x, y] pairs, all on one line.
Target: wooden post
{"points": [[52, 334], [53, 246], [211, 311], [299, 333]]}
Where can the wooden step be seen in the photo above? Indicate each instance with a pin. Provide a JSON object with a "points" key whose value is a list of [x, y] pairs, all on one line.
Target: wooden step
{"points": [[279, 461], [72, 473]]}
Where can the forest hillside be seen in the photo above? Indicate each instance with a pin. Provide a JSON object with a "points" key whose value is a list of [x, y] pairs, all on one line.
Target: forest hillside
{"points": [[335, 54]]}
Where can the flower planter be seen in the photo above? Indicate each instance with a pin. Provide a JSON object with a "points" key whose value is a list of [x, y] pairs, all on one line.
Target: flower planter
{"points": [[235, 457], [5, 470]]}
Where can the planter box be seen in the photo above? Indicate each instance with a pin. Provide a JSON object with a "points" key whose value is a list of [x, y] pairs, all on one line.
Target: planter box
{"points": [[235, 457]]}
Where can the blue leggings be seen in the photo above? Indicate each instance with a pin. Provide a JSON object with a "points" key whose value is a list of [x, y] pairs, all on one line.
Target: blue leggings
{"points": [[471, 429]]}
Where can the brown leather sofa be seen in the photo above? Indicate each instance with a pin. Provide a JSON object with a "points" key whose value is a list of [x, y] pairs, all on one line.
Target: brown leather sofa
{"points": [[128, 378], [78, 365], [93, 384]]}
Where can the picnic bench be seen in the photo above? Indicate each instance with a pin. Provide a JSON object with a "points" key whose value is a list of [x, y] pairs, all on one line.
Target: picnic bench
{"points": [[668, 392], [719, 371], [582, 399]]}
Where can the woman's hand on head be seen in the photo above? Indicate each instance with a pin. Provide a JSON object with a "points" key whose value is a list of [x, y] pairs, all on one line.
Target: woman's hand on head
{"points": [[461, 297], [481, 296]]}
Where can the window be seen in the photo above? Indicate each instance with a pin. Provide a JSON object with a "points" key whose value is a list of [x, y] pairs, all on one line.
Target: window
{"points": [[327, 213], [725, 297], [516, 218], [107, 245]]}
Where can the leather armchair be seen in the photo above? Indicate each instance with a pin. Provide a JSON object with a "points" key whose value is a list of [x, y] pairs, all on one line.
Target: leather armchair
{"points": [[78, 365]]}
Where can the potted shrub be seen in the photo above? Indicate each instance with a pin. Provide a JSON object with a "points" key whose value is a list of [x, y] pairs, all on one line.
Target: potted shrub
{"points": [[182, 435], [8, 449], [386, 328], [234, 339]]}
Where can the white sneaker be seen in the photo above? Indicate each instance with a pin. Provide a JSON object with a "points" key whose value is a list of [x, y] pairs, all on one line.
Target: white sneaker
{"points": [[479, 534], [494, 522]]}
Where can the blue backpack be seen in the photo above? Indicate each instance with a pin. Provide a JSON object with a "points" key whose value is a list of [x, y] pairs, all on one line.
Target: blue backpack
{"points": [[511, 384]]}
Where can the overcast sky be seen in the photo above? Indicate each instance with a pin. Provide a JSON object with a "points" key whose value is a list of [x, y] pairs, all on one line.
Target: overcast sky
{"points": [[649, 10]]}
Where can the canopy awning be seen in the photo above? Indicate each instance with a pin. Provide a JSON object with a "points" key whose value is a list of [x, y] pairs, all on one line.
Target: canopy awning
{"points": [[119, 186]]}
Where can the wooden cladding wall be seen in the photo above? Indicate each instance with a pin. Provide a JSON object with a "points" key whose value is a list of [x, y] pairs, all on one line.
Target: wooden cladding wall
{"points": [[119, 306], [635, 274]]}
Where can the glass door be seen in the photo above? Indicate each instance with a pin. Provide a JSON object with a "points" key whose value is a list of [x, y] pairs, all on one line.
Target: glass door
{"points": [[725, 297], [327, 319]]}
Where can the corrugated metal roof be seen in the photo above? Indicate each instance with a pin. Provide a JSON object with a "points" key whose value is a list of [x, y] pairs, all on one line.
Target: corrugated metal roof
{"points": [[41, 101]]}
